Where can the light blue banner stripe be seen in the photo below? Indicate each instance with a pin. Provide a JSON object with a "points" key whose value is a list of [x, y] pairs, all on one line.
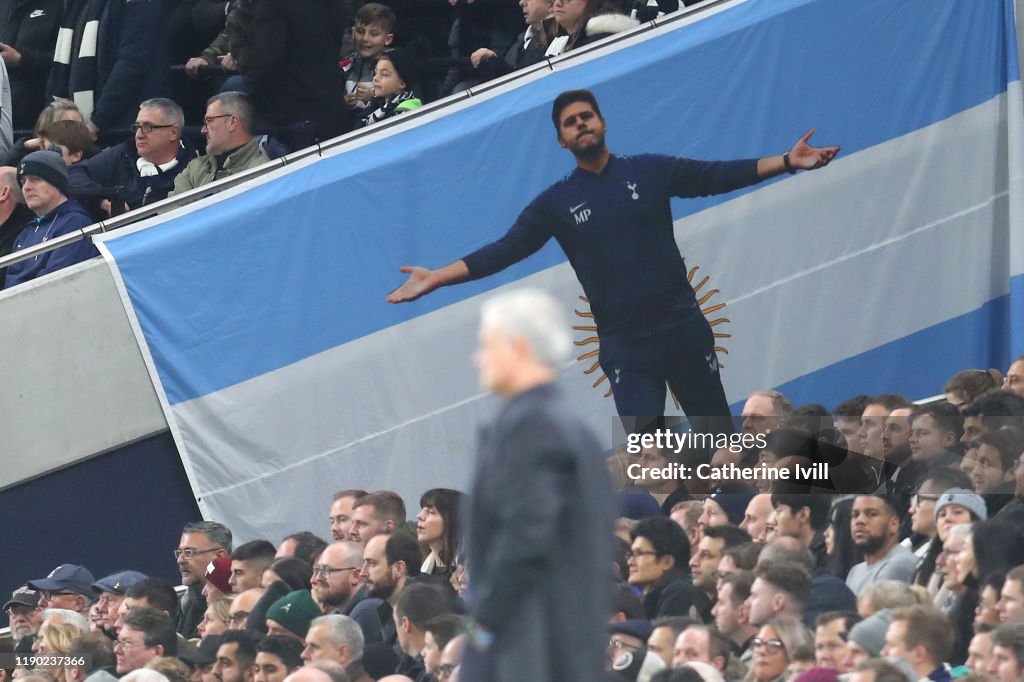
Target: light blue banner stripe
{"points": [[302, 264]]}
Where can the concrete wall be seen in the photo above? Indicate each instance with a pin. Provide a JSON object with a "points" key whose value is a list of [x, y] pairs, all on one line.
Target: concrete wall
{"points": [[74, 383]]}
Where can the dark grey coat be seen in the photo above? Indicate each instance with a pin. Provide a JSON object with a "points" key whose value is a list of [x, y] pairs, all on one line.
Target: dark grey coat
{"points": [[539, 545]]}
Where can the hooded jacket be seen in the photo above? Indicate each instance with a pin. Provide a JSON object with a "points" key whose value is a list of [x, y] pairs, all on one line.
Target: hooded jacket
{"points": [[65, 219]]}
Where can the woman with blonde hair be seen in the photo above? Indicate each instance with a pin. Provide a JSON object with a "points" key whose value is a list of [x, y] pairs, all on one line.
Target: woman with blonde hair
{"points": [[215, 620], [775, 647], [55, 639]]}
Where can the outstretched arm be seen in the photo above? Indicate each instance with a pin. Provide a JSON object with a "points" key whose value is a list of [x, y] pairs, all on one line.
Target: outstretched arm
{"points": [[801, 157], [423, 280]]}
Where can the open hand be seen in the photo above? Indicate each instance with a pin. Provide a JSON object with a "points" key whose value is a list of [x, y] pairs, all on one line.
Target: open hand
{"points": [[804, 156], [420, 282]]}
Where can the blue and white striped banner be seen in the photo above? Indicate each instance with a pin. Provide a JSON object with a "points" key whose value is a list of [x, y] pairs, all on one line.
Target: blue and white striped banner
{"points": [[285, 375]]}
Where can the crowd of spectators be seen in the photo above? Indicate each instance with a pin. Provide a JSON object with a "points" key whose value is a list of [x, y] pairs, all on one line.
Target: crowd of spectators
{"points": [[918, 574], [275, 77]]}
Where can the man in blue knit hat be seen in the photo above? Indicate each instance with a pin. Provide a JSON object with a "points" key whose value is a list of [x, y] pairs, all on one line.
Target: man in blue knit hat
{"points": [[43, 177]]}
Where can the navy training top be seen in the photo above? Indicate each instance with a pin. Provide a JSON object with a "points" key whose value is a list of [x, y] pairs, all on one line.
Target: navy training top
{"points": [[616, 229]]}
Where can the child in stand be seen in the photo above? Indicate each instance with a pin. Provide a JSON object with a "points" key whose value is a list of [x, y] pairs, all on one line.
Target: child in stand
{"points": [[397, 70], [372, 33]]}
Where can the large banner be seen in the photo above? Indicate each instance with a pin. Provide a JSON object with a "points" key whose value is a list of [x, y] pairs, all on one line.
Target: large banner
{"points": [[285, 375]]}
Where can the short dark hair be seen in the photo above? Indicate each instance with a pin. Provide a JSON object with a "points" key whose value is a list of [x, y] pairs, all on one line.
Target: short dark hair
{"points": [[217, 533], [402, 546], [792, 579], [849, 618], [683, 674], [288, 649], [852, 408], [247, 641], [156, 627], [308, 546], [295, 573], [734, 536], [158, 594], [740, 583], [946, 478], [626, 601], [387, 505], [819, 505], [1008, 442], [94, 649], [946, 416], [445, 628], [996, 408], [420, 603], [570, 97], [890, 401], [255, 549], [1010, 636], [676, 623], [744, 556], [376, 13], [667, 538]]}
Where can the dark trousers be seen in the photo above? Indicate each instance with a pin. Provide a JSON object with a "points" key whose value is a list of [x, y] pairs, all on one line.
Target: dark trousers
{"points": [[684, 358]]}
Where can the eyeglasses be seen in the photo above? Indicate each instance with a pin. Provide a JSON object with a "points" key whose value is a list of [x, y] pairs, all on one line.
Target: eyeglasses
{"points": [[919, 498], [20, 610], [636, 554], [772, 645], [619, 644], [148, 127], [561, 2], [191, 552], [238, 617], [207, 119], [50, 595], [327, 571], [125, 644]]}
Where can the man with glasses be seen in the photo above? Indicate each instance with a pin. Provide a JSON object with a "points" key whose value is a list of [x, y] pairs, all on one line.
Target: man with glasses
{"points": [[67, 587], [230, 145], [338, 587], [144, 166], [200, 544], [242, 607], [24, 613], [145, 634]]}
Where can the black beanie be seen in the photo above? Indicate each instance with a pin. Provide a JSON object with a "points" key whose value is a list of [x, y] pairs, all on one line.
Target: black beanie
{"points": [[47, 165], [408, 62]]}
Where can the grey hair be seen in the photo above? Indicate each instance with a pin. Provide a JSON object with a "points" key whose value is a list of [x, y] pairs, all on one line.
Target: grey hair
{"points": [[70, 617], [534, 316], [780, 403], [793, 634], [237, 103], [889, 594], [9, 178], [218, 533], [342, 630], [168, 107]]}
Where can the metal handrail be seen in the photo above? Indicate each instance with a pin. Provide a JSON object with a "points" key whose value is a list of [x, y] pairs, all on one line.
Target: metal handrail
{"points": [[180, 200]]}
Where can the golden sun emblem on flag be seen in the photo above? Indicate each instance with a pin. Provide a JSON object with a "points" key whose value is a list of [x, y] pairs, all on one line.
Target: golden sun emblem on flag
{"points": [[595, 340]]}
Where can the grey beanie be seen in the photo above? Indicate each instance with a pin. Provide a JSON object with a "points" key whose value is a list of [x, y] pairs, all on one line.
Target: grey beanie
{"points": [[869, 634], [47, 165], [968, 499]]}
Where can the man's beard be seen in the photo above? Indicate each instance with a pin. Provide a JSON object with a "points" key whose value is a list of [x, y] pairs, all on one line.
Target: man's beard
{"points": [[899, 456], [381, 591], [872, 544]]}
